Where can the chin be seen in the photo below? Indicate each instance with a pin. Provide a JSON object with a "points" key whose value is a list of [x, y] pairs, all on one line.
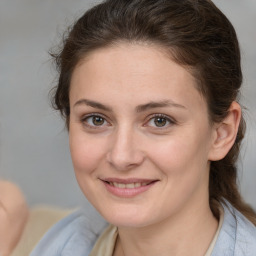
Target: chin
{"points": [[127, 218]]}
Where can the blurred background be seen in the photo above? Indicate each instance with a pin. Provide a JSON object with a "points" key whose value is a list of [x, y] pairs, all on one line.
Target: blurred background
{"points": [[34, 149]]}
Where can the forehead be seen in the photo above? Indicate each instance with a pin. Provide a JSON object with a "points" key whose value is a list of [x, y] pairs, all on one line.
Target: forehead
{"points": [[131, 70]]}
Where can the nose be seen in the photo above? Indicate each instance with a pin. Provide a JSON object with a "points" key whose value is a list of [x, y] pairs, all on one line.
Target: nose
{"points": [[125, 152]]}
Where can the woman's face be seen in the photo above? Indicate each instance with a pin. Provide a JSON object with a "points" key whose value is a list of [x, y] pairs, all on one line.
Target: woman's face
{"points": [[140, 138]]}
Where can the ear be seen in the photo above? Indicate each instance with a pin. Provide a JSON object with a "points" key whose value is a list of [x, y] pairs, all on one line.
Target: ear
{"points": [[224, 133]]}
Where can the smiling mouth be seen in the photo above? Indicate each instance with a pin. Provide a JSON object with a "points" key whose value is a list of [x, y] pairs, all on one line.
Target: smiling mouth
{"points": [[129, 185], [128, 188]]}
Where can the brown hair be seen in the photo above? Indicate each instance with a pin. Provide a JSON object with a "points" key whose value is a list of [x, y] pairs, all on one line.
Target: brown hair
{"points": [[198, 36]]}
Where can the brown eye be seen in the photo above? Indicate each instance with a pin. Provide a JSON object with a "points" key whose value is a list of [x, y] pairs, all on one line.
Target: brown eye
{"points": [[94, 121], [160, 121], [98, 120]]}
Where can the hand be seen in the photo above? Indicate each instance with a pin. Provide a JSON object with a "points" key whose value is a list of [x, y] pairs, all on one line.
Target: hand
{"points": [[13, 216]]}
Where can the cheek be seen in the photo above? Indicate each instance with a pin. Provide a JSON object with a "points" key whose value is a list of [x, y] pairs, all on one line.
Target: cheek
{"points": [[184, 167], [86, 152], [169, 153], [178, 155]]}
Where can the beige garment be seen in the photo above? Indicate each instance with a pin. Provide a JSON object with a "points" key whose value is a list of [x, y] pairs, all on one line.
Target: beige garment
{"points": [[211, 247], [106, 242], [40, 220]]}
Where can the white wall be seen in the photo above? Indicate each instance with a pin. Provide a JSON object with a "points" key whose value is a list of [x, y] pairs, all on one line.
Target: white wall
{"points": [[33, 142]]}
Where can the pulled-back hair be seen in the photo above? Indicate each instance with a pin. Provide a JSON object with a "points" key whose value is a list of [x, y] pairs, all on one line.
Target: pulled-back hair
{"points": [[198, 36]]}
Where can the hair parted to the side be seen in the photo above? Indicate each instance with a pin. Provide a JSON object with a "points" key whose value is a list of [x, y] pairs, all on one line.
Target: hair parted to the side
{"points": [[197, 35]]}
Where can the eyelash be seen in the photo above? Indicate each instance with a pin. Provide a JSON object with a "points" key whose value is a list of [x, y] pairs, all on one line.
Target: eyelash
{"points": [[84, 120], [170, 121]]}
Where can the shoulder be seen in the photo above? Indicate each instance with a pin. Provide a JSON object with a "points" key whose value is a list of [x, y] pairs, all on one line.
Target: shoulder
{"points": [[73, 235], [245, 235], [237, 236]]}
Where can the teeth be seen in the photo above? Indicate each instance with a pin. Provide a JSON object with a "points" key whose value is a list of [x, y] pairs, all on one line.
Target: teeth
{"points": [[136, 185], [132, 185], [129, 185], [120, 185]]}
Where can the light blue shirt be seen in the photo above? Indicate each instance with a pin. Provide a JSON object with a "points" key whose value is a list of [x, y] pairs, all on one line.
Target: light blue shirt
{"points": [[76, 234]]}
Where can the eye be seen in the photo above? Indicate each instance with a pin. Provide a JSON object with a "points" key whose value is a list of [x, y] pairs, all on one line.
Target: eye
{"points": [[160, 121], [94, 121]]}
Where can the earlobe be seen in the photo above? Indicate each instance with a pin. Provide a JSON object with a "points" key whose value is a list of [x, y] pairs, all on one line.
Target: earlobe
{"points": [[225, 133]]}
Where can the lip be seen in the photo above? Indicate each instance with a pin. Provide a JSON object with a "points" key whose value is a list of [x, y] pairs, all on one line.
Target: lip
{"points": [[127, 192], [127, 181]]}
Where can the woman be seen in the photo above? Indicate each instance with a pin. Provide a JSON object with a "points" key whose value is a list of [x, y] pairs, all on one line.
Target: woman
{"points": [[149, 92]]}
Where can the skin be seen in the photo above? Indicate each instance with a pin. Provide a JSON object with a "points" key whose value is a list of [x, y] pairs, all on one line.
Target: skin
{"points": [[13, 216], [173, 216]]}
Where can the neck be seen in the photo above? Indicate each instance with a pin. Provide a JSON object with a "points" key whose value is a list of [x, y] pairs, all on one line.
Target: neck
{"points": [[179, 235]]}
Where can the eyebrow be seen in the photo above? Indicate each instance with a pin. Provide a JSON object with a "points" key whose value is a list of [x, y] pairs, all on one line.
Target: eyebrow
{"points": [[156, 104], [138, 109], [93, 104]]}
